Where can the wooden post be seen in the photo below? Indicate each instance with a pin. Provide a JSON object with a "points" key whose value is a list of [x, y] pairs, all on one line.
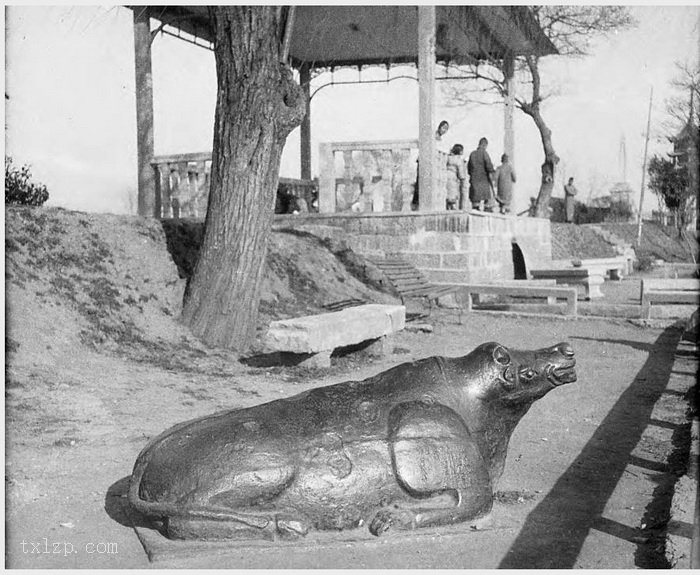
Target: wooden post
{"points": [[305, 135], [427, 146], [644, 172], [508, 107], [144, 113], [693, 167]]}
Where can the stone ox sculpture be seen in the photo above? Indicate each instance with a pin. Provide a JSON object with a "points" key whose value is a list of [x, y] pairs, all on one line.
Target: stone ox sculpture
{"points": [[420, 444]]}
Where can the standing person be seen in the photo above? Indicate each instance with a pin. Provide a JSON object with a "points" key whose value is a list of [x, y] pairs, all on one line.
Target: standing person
{"points": [[570, 192], [456, 174], [505, 178], [480, 169], [442, 129]]}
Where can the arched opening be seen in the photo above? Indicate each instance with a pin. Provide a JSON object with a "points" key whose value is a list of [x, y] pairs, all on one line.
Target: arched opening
{"points": [[519, 269]]}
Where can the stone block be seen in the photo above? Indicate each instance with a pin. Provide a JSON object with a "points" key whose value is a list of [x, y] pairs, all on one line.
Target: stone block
{"points": [[463, 242], [424, 259], [327, 331], [479, 224], [427, 241], [445, 276], [456, 260], [476, 260]]}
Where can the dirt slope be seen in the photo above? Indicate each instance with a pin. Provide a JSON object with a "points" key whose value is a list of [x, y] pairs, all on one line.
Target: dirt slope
{"points": [[108, 283], [590, 241]]}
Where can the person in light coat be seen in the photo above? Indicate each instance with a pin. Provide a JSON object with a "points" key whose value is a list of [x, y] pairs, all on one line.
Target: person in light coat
{"points": [[505, 178], [456, 175], [570, 192]]}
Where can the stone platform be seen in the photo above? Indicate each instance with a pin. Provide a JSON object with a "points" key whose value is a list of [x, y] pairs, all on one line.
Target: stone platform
{"points": [[446, 246]]}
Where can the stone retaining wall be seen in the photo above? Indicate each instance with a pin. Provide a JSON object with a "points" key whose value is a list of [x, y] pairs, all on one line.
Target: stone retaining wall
{"points": [[446, 246]]}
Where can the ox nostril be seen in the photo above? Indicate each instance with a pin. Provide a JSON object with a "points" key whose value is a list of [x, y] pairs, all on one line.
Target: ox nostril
{"points": [[566, 349]]}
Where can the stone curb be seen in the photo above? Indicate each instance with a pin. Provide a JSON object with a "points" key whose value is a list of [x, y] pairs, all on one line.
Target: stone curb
{"points": [[682, 530]]}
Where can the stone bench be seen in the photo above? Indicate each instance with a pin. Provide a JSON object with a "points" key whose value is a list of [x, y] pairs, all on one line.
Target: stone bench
{"points": [[318, 335], [590, 279], [513, 289], [668, 291], [615, 268]]}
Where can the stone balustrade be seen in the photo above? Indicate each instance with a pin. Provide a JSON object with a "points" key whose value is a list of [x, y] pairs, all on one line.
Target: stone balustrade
{"points": [[183, 180], [372, 176]]}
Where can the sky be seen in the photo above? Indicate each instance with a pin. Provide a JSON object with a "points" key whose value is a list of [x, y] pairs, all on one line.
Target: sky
{"points": [[71, 111]]}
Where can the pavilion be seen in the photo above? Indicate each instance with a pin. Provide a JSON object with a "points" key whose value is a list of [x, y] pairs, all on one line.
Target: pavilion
{"points": [[326, 37]]}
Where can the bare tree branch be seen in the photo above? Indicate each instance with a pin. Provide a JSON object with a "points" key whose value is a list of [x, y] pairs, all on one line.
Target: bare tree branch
{"points": [[572, 30]]}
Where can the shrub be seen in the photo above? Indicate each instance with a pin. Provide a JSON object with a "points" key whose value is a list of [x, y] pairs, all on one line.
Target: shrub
{"points": [[19, 189], [644, 262]]}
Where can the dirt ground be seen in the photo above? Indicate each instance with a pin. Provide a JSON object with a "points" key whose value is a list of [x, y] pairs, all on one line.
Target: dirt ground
{"points": [[97, 364]]}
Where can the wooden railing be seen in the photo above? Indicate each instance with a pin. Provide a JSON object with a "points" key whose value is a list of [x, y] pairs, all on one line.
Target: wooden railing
{"points": [[182, 187], [372, 176]]}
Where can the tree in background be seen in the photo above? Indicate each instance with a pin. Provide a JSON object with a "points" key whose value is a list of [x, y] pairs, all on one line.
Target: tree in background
{"points": [[684, 113], [685, 106], [258, 104], [670, 182], [571, 29]]}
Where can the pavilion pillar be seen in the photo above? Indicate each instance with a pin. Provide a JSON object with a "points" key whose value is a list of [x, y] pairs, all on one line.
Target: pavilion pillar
{"points": [[508, 107], [427, 146], [326, 179], [305, 134], [144, 113]]}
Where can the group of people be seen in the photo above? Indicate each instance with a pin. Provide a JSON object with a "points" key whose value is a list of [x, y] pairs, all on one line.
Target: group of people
{"points": [[488, 186]]}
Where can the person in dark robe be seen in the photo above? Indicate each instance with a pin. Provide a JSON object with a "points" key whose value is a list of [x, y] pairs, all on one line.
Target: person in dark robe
{"points": [[454, 182], [480, 170]]}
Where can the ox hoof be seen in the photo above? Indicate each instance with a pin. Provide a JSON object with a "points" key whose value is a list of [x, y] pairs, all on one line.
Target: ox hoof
{"points": [[291, 527], [386, 518]]}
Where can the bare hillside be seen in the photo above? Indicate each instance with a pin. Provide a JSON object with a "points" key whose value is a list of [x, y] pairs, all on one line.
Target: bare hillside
{"points": [[109, 283], [593, 241]]}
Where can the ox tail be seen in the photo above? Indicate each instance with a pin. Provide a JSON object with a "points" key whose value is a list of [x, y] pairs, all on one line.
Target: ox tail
{"points": [[168, 509]]}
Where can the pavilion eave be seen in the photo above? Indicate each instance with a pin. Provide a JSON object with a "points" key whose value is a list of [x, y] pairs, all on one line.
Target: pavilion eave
{"points": [[340, 36]]}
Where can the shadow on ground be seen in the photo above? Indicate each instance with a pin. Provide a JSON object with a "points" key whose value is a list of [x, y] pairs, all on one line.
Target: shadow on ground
{"points": [[554, 532]]}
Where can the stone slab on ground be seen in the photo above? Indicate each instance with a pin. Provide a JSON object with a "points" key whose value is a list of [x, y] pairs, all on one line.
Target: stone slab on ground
{"points": [[327, 331]]}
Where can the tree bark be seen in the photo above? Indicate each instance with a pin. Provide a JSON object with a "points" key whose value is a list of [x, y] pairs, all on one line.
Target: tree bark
{"points": [[551, 159], [258, 104], [548, 167]]}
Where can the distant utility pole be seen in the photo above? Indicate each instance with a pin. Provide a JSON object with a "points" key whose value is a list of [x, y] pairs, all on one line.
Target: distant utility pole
{"points": [[644, 171]]}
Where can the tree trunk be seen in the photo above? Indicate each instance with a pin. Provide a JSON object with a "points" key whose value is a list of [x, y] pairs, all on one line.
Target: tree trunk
{"points": [[258, 104], [551, 159], [548, 166]]}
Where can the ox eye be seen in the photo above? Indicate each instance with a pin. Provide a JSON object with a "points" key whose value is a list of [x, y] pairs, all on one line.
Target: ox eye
{"points": [[508, 378], [527, 374]]}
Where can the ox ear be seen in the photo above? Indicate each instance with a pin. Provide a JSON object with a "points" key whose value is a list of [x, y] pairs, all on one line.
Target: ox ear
{"points": [[501, 355]]}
